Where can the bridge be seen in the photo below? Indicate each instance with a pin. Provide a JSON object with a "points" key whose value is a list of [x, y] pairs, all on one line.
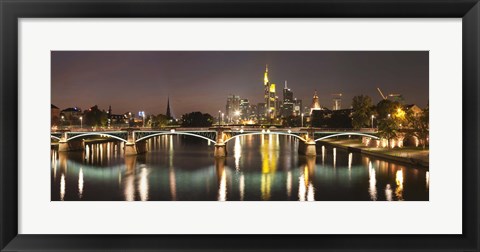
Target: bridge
{"points": [[135, 143]]}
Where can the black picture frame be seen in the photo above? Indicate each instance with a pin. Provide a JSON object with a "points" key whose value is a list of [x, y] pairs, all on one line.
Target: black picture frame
{"points": [[12, 10]]}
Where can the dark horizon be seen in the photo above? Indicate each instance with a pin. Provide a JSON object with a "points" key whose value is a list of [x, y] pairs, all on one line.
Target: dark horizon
{"points": [[132, 81]]}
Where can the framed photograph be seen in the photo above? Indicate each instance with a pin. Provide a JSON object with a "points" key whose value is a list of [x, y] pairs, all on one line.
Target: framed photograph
{"points": [[226, 125]]}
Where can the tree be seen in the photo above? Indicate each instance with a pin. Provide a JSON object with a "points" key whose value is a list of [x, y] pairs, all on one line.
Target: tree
{"points": [[386, 107], [159, 121], [361, 111], [197, 119], [388, 129], [95, 117], [420, 125]]}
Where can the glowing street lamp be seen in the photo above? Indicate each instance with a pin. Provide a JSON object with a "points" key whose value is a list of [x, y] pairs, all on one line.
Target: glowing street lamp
{"points": [[222, 117], [302, 120], [372, 120], [81, 122]]}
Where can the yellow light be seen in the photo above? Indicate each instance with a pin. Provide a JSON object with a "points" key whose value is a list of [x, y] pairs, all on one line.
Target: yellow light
{"points": [[265, 77], [272, 88]]}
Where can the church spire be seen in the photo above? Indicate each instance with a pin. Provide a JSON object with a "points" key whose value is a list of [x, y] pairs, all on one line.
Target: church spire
{"points": [[169, 115], [315, 103]]}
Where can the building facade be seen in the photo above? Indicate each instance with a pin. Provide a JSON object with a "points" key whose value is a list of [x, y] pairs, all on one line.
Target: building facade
{"points": [[232, 108], [315, 103]]}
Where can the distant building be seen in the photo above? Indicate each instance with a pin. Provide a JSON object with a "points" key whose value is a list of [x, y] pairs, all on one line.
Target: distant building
{"points": [[416, 111], [71, 116], [297, 107], [232, 107], [338, 119], [116, 119], [287, 105], [271, 99], [54, 116], [253, 112], [261, 110], [337, 102], [287, 94], [244, 108], [315, 103]]}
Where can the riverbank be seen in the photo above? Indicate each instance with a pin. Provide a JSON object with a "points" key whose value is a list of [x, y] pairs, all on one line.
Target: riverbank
{"points": [[408, 155]]}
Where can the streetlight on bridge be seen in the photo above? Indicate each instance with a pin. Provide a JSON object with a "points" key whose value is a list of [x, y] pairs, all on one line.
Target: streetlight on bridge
{"points": [[81, 122], [302, 120], [372, 120]]}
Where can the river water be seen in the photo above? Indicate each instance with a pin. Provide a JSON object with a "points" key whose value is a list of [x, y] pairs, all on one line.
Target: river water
{"points": [[256, 168]]}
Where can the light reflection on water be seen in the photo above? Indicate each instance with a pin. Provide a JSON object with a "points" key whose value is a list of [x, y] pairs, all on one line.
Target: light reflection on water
{"points": [[256, 168]]}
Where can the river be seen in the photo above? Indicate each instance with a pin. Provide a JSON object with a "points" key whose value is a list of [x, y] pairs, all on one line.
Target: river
{"points": [[257, 168]]}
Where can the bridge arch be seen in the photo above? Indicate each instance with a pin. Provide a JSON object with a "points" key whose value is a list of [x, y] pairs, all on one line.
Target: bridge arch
{"points": [[174, 133], [264, 133], [97, 134], [347, 134], [54, 137]]}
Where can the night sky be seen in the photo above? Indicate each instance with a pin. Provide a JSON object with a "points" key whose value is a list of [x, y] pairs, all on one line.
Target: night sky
{"points": [[201, 80]]}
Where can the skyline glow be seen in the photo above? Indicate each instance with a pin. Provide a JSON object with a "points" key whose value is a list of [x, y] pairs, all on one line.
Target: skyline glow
{"points": [[201, 80]]}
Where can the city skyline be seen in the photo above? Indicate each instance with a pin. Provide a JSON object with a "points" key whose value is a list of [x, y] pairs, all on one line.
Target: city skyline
{"points": [[201, 81]]}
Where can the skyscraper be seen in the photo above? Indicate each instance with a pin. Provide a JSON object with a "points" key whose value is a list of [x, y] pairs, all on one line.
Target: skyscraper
{"points": [[269, 95], [297, 109], [287, 94], [288, 106], [244, 108], [233, 106], [266, 88]]}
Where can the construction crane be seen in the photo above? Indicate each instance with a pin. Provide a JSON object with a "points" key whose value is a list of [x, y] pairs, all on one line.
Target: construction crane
{"points": [[397, 96], [381, 94]]}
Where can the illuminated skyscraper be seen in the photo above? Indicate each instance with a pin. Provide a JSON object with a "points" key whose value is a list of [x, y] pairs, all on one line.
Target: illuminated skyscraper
{"points": [[266, 88], [269, 95]]}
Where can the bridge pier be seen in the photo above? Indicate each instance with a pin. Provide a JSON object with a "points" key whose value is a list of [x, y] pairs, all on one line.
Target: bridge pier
{"points": [[220, 145], [130, 149], [310, 149], [220, 150], [307, 148], [130, 146], [63, 144]]}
